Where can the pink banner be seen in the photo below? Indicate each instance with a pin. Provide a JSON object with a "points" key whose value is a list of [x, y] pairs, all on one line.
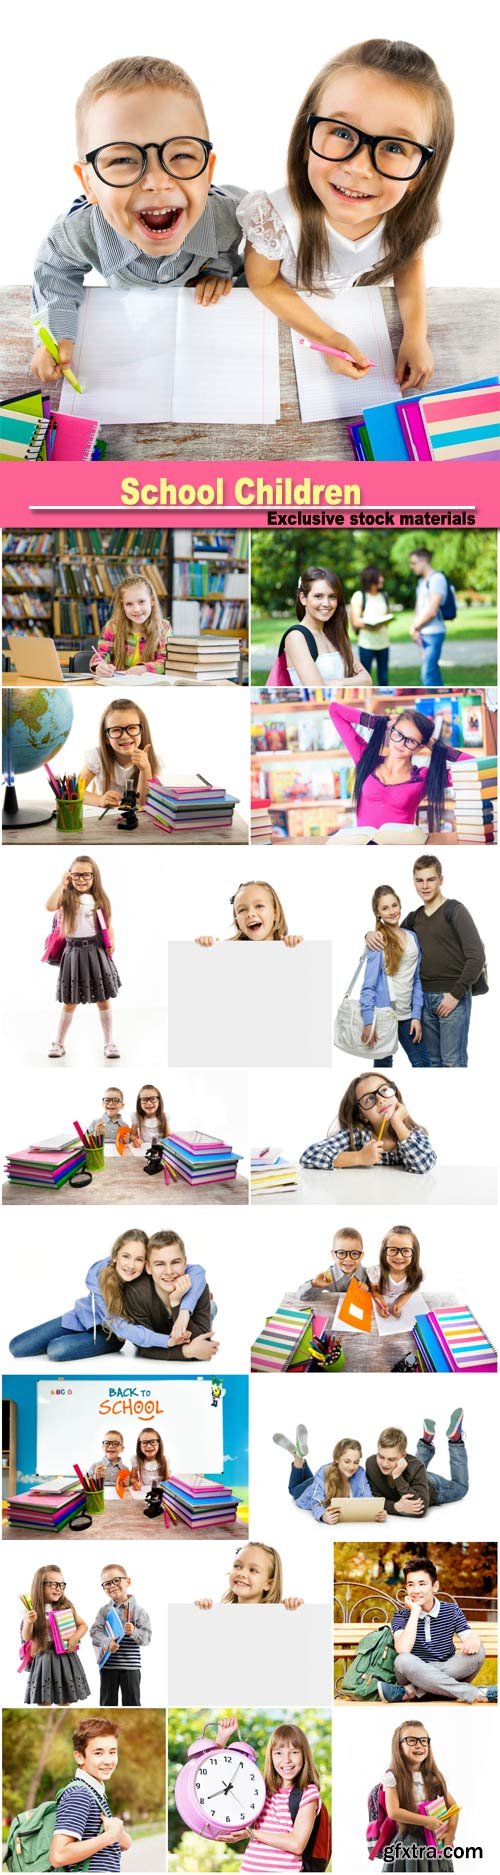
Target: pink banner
{"points": [[334, 494]]}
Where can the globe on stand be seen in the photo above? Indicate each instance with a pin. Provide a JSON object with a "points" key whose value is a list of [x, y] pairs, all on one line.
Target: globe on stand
{"points": [[35, 725]]}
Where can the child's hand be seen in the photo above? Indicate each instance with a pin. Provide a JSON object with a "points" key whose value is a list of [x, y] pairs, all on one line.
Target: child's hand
{"points": [[113, 1645], [415, 1029], [46, 368], [206, 941], [415, 364], [360, 363], [141, 758], [331, 1515], [97, 1474], [101, 667], [292, 1601], [323, 1281], [72, 1644], [381, 1516], [225, 1728], [111, 798], [291, 941], [371, 1153], [374, 940], [210, 289], [179, 1333], [399, 1305], [380, 1303], [205, 1604], [399, 1468], [113, 1826], [407, 1506], [128, 1627], [368, 1033], [201, 1348]]}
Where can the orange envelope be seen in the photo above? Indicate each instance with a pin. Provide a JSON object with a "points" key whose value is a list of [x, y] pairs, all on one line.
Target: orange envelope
{"points": [[356, 1307]]}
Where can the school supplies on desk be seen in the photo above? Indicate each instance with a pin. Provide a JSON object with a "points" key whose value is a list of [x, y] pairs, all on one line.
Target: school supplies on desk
{"points": [[31, 404], [451, 1341], [21, 435], [271, 1171], [189, 804], [463, 425], [279, 1340], [38, 1165], [160, 358], [71, 438], [62, 1627], [200, 1505], [396, 430], [199, 1159], [323, 394], [46, 1507], [355, 1309]]}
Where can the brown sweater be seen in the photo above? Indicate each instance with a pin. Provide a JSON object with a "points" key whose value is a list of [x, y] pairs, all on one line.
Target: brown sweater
{"points": [[414, 1480], [452, 952], [145, 1306]]}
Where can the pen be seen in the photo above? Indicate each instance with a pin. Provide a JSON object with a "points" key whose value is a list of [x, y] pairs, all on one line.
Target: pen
{"points": [[334, 351], [51, 345]]}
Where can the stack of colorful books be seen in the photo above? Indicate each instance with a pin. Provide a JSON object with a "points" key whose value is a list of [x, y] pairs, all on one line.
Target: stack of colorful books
{"points": [[46, 1507], [262, 826], [205, 660], [270, 1171], [451, 1341], [51, 1164], [200, 1505], [62, 1626], [473, 794], [275, 1347], [461, 424], [200, 1159], [189, 805]]}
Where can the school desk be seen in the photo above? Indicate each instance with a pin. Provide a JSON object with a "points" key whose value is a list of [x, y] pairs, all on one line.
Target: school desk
{"points": [[124, 1181], [97, 832], [121, 1520], [446, 1184], [10, 681], [463, 333], [373, 1353]]}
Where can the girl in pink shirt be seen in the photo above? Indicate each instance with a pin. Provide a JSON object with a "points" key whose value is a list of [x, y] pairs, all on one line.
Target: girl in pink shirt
{"points": [[279, 1839], [389, 784]]}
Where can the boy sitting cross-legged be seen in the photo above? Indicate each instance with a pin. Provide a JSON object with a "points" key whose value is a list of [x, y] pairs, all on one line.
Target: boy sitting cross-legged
{"points": [[430, 1662]]}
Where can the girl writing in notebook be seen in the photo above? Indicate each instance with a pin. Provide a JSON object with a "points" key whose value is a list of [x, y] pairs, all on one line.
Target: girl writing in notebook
{"points": [[366, 159], [135, 637], [124, 753], [394, 979], [258, 917], [345, 1476], [149, 1121], [101, 1320], [413, 1780], [390, 781], [54, 1679], [256, 1578], [318, 649], [373, 1128], [397, 1274], [279, 1839], [87, 972]]}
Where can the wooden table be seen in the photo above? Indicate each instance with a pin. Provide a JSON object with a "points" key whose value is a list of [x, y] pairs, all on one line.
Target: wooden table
{"points": [[123, 1519], [11, 681], [124, 1181], [463, 329], [97, 832], [373, 1353]]}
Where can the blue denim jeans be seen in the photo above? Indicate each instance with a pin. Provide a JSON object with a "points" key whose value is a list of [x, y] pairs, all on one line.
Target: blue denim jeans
{"points": [[300, 1476], [432, 645], [416, 1051], [366, 656], [63, 1344], [446, 1037], [447, 1490]]}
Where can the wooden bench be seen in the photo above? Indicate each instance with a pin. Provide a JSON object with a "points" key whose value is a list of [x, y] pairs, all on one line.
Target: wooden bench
{"points": [[348, 1634]]}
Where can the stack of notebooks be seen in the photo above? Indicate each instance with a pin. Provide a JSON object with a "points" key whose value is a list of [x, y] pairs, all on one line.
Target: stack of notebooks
{"points": [[280, 1340], [270, 1171], [459, 424], [199, 1159], [31, 431], [200, 1505], [474, 794], [204, 660], [262, 826], [51, 1164], [62, 1626], [450, 1341], [46, 1507], [189, 804]]}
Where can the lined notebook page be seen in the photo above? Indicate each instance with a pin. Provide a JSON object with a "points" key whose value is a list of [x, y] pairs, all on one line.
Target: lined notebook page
{"points": [[158, 357], [323, 394]]}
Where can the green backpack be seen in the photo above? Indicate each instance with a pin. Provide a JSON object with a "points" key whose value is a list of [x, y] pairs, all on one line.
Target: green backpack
{"points": [[30, 1837], [373, 1661]]}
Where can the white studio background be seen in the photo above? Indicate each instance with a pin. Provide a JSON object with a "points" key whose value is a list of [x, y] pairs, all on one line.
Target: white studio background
{"points": [[252, 76], [378, 1400], [191, 732], [467, 1755], [48, 1265], [211, 1101], [456, 1256], [241, 1656], [203, 1573], [146, 1571]]}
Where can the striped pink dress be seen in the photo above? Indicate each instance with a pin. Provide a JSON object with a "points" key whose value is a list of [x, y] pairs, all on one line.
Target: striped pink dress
{"points": [[259, 1856]]}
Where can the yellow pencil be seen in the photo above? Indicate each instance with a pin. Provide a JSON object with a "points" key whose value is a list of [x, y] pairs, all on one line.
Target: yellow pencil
{"points": [[380, 1134]]}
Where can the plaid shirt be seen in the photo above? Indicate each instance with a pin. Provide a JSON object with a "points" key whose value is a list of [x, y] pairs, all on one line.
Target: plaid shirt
{"points": [[83, 239], [414, 1154]]}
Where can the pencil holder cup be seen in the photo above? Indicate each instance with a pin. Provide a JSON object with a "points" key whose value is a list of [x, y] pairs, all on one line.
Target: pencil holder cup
{"points": [[94, 1502], [69, 816], [94, 1159]]}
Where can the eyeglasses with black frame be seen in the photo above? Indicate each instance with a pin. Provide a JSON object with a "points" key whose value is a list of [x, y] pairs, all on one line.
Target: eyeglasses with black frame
{"points": [[370, 1100], [124, 729], [408, 742], [121, 164], [399, 158]]}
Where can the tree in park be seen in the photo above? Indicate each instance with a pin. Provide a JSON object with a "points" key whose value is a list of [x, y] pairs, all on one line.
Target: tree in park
{"points": [[467, 557], [39, 1758], [255, 1727]]}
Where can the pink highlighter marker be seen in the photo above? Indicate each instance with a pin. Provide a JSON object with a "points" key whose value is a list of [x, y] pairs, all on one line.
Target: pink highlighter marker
{"points": [[334, 352]]}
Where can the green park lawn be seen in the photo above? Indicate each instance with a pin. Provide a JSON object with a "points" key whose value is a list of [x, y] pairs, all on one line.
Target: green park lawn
{"points": [[472, 623]]}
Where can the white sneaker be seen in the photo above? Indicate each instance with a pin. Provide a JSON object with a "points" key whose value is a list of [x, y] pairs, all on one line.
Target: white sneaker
{"points": [[56, 1050], [111, 1051]]}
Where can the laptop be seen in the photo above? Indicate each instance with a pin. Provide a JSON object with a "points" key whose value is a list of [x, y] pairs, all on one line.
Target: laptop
{"points": [[357, 1509], [38, 659]]}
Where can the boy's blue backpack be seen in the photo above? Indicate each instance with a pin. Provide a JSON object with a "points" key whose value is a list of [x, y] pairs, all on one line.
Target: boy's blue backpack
{"points": [[30, 1837], [448, 607]]}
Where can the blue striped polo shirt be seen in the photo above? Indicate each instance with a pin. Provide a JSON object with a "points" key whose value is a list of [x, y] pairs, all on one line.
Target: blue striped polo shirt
{"points": [[435, 1629], [79, 1814]]}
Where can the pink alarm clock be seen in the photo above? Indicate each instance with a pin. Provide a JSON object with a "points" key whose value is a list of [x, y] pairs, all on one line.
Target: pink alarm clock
{"points": [[220, 1791]]}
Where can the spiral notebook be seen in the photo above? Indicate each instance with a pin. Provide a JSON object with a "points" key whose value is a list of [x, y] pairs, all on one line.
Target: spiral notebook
{"points": [[71, 438], [21, 435]]}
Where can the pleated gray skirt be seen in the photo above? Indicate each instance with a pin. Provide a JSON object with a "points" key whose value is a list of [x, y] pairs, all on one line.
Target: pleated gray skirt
{"points": [[56, 1680], [87, 973]]}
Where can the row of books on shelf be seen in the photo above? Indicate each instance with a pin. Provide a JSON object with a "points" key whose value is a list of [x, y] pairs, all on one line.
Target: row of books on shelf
{"points": [[220, 615], [122, 543], [27, 578], [79, 618], [463, 720], [22, 606], [197, 579], [37, 546], [100, 578], [328, 780], [227, 542], [304, 733]]}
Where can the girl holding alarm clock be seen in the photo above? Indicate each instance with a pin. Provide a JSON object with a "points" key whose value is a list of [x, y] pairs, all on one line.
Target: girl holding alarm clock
{"points": [[285, 1823]]}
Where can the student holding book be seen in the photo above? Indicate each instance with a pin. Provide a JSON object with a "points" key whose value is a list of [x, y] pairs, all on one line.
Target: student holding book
{"points": [[55, 1678], [119, 1655], [390, 783], [411, 1783], [370, 618], [135, 636], [87, 972]]}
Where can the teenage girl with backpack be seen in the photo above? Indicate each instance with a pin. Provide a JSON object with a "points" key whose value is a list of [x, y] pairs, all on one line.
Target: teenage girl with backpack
{"points": [[370, 617], [292, 1808]]}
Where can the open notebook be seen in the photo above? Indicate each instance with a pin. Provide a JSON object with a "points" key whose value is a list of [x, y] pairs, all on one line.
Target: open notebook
{"points": [[158, 357], [323, 394]]}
